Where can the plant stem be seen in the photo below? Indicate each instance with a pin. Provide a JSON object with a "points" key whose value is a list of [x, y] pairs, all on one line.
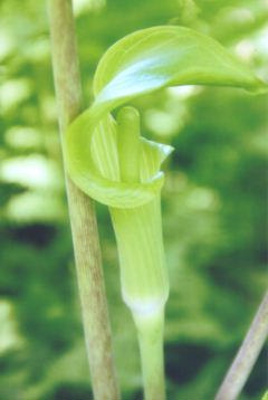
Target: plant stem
{"points": [[81, 210], [150, 334], [247, 355]]}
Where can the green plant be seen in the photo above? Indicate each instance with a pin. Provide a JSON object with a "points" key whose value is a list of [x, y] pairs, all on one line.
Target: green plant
{"points": [[108, 160]]}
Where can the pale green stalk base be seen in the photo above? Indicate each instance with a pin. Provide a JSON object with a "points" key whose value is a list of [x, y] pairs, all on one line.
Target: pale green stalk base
{"points": [[150, 334], [81, 210], [246, 356]]}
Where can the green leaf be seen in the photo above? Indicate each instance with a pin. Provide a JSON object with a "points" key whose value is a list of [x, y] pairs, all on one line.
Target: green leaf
{"points": [[141, 63]]}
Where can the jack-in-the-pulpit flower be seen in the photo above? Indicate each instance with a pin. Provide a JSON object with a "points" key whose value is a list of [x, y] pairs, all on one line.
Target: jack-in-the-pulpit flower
{"points": [[109, 160]]}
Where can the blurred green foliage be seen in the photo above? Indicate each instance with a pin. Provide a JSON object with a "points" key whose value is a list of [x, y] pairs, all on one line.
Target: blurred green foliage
{"points": [[213, 206]]}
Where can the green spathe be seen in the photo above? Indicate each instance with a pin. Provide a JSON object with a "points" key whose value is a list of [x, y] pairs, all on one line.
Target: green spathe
{"points": [[144, 280], [141, 63]]}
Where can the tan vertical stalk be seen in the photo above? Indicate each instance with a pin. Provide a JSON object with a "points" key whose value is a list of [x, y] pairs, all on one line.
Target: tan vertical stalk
{"points": [[81, 210], [247, 355]]}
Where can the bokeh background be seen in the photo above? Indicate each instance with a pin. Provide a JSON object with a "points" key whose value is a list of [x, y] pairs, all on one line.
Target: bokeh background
{"points": [[213, 206]]}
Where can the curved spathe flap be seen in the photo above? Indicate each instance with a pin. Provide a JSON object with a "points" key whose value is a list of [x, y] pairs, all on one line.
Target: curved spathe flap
{"points": [[141, 63]]}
